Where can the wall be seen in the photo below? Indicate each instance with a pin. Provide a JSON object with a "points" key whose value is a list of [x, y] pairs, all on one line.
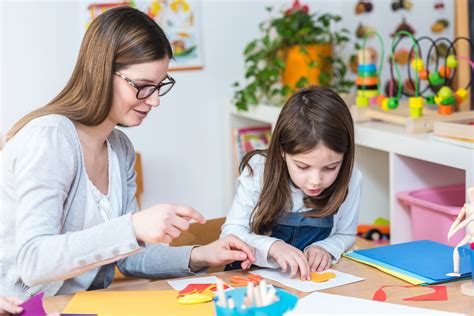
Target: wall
{"points": [[182, 142]]}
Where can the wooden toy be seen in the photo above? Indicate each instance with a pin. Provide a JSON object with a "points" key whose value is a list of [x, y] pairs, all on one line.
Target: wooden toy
{"points": [[426, 84], [459, 129], [465, 220]]}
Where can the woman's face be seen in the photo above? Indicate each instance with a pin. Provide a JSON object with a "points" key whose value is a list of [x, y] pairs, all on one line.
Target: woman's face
{"points": [[126, 109], [314, 171]]}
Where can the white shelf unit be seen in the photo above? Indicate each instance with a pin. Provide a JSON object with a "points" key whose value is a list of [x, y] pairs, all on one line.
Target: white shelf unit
{"points": [[390, 160]]}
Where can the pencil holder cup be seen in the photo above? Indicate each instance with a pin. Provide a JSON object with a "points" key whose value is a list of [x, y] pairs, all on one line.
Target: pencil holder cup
{"points": [[286, 301]]}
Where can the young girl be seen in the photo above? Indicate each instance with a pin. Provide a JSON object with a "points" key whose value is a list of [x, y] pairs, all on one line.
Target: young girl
{"points": [[68, 209], [297, 202]]}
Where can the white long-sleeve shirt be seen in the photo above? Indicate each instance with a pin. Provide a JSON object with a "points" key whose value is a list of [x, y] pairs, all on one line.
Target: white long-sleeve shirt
{"points": [[342, 235]]}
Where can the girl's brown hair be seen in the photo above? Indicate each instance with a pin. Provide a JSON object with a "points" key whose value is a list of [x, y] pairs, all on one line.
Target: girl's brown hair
{"points": [[116, 39], [310, 117]]}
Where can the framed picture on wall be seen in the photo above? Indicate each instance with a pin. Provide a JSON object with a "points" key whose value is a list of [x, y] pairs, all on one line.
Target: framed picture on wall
{"points": [[181, 22]]}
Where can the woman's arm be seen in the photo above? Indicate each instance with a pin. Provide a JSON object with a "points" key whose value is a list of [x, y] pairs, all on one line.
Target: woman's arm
{"points": [[44, 169]]}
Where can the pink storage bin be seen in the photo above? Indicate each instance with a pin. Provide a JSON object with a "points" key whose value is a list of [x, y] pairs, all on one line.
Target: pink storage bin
{"points": [[433, 210]]}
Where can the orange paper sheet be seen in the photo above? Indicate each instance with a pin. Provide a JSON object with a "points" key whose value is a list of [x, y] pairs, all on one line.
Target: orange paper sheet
{"points": [[144, 303]]}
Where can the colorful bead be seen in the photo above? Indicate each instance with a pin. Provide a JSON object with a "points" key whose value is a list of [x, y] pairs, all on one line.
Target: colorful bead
{"points": [[380, 98], [367, 81], [366, 68], [451, 100], [430, 99], [392, 103], [415, 102], [423, 74], [445, 92], [445, 109], [367, 93], [462, 93], [417, 64], [384, 104], [435, 79], [416, 112], [451, 61], [415, 105], [362, 102], [444, 71]]}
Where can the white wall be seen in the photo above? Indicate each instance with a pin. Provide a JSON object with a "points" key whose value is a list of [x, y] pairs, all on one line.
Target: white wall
{"points": [[182, 142]]}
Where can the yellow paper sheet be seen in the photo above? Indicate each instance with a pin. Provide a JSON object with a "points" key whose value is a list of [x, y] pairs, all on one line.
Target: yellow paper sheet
{"points": [[129, 303], [404, 277]]}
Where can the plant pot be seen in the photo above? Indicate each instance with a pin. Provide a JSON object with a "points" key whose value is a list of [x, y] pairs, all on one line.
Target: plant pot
{"points": [[298, 64]]}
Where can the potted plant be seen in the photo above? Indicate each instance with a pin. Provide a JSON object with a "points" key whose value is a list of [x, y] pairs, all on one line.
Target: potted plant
{"points": [[296, 49]]}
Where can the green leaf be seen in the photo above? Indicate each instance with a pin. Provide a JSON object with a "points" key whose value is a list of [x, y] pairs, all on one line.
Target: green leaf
{"points": [[302, 82], [285, 90], [250, 47]]}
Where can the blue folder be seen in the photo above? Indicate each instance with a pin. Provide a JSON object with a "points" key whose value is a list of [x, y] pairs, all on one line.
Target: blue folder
{"points": [[426, 258]]}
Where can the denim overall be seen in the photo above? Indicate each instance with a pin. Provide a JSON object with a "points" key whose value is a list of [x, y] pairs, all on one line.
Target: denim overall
{"points": [[297, 230]]}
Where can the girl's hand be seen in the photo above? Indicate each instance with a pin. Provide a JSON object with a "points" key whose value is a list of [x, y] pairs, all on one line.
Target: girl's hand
{"points": [[221, 252], [318, 258], [163, 222], [290, 258], [10, 305]]}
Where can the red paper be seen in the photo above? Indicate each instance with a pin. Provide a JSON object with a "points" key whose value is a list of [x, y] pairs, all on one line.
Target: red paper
{"points": [[199, 287], [440, 293]]}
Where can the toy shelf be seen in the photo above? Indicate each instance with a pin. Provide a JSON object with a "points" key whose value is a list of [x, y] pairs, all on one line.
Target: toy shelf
{"points": [[390, 159]]}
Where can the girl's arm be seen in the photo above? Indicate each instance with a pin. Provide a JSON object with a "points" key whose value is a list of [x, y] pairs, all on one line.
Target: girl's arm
{"points": [[44, 168], [237, 221], [343, 234]]}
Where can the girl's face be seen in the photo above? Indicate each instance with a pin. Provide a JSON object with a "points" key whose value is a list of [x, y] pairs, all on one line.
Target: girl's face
{"points": [[315, 170], [126, 108]]}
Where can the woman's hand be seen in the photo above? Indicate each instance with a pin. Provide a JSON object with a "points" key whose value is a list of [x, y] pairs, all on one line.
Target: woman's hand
{"points": [[290, 258], [221, 252], [163, 222], [318, 258], [10, 305]]}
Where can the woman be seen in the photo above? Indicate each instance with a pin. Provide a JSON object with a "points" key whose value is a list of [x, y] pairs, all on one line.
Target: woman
{"points": [[68, 207]]}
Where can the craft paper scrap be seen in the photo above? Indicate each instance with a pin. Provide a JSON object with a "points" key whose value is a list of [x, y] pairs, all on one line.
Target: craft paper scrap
{"points": [[33, 306], [183, 283], [127, 303]]}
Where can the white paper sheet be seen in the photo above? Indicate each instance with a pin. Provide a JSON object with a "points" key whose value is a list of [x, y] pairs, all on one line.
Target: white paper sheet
{"points": [[181, 284], [330, 304], [308, 286]]}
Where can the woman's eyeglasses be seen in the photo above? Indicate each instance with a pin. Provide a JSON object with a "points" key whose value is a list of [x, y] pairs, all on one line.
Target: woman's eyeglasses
{"points": [[146, 91]]}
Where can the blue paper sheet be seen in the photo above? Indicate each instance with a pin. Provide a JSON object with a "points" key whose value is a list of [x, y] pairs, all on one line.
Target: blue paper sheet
{"points": [[426, 258], [358, 256]]}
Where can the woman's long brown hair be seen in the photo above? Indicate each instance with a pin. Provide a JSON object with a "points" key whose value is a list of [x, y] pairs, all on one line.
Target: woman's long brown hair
{"points": [[310, 117], [115, 39]]}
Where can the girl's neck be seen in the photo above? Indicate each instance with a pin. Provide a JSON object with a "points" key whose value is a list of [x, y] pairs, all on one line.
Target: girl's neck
{"points": [[94, 137]]}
